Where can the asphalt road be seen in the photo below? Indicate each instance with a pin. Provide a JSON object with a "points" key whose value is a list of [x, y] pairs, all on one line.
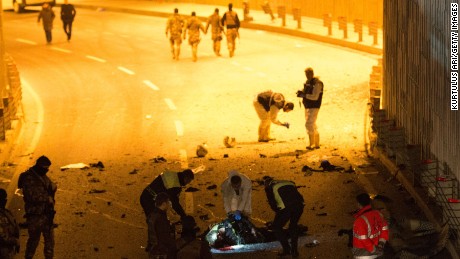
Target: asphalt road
{"points": [[114, 94]]}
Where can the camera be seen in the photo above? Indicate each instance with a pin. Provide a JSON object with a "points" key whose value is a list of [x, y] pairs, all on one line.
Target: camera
{"points": [[300, 93]]}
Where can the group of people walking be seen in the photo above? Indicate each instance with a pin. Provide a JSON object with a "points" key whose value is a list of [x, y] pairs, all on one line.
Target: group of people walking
{"points": [[177, 28], [46, 15]]}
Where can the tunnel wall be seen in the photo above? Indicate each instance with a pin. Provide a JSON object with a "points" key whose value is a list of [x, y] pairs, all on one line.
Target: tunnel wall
{"points": [[367, 10], [416, 80]]}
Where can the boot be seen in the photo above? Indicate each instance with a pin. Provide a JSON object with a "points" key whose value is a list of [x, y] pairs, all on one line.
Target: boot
{"points": [[316, 140], [294, 251], [311, 138]]}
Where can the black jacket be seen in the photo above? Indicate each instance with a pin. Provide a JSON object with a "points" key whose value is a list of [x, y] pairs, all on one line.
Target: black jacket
{"points": [[288, 193], [157, 186]]}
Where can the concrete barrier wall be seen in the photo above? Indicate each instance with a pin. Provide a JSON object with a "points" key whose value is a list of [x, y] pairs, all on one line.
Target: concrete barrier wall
{"points": [[12, 100], [367, 10]]}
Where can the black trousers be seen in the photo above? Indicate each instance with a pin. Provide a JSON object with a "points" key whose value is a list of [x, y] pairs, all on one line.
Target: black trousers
{"points": [[68, 28], [49, 36], [281, 218]]}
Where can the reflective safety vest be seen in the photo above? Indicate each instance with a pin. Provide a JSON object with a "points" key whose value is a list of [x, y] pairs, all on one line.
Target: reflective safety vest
{"points": [[170, 179], [369, 228], [278, 199]]}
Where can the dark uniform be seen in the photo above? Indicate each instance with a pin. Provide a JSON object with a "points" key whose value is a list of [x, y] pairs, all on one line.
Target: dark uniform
{"points": [[170, 183], [9, 230], [164, 234], [47, 14], [67, 16], [288, 204], [39, 192]]}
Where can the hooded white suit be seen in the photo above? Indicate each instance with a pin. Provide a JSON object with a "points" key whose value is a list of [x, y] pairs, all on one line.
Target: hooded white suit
{"points": [[234, 201]]}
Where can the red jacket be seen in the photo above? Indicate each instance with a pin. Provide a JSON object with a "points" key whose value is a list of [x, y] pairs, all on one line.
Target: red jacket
{"points": [[369, 228]]}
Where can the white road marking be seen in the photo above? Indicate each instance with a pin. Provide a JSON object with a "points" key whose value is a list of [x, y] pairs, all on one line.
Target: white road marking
{"points": [[261, 74], [248, 69], [127, 71], [61, 50], [179, 128], [96, 58], [151, 85], [170, 104], [183, 158], [297, 45], [26, 41]]}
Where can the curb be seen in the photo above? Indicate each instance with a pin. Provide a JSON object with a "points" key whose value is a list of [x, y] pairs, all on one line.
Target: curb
{"points": [[394, 170], [249, 25]]}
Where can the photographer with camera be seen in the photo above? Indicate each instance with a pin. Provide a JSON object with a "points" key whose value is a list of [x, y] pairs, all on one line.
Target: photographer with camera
{"points": [[312, 96]]}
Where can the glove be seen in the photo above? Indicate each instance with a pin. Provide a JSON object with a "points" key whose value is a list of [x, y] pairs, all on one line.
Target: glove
{"points": [[380, 246], [300, 94], [237, 215], [286, 124]]}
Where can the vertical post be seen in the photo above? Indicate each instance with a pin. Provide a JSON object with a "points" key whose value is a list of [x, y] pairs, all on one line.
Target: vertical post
{"points": [[373, 31], [327, 22], [282, 14], [343, 26], [297, 17], [358, 26], [246, 16]]}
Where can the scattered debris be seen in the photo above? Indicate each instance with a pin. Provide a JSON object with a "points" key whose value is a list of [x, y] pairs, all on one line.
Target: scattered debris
{"points": [[366, 173], [327, 166], [225, 155], [191, 189], [312, 243], [201, 150], [301, 186], [133, 171], [75, 166], [210, 205], [97, 191], [262, 156], [321, 214], [204, 217], [229, 142], [123, 216], [382, 198], [98, 165], [215, 194], [158, 159], [350, 170], [94, 180], [199, 169], [211, 187], [348, 181], [109, 203]]}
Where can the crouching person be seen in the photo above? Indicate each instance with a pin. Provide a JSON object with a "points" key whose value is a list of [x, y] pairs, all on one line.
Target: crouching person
{"points": [[162, 232]]}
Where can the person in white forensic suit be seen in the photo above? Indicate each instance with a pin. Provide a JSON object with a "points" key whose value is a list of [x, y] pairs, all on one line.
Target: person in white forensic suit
{"points": [[236, 192]]}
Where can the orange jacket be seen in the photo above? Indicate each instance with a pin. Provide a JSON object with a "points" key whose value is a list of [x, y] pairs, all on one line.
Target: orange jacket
{"points": [[369, 228]]}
